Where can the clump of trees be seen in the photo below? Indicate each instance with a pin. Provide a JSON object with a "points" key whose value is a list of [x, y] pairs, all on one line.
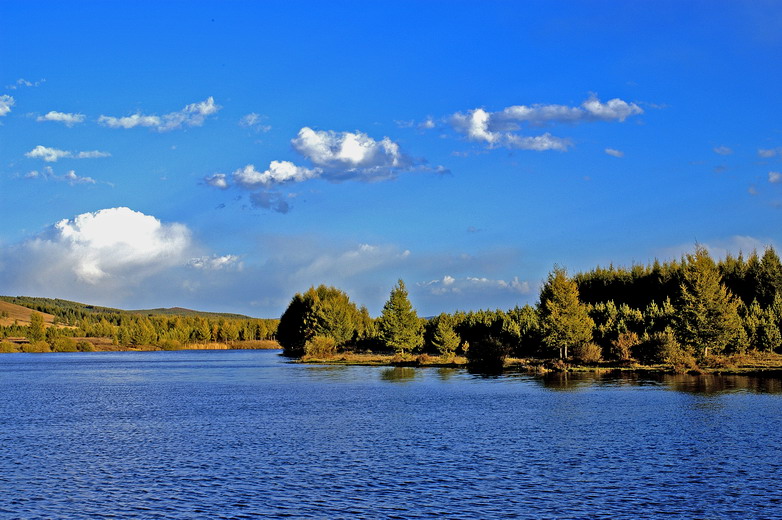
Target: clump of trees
{"points": [[323, 312], [678, 313]]}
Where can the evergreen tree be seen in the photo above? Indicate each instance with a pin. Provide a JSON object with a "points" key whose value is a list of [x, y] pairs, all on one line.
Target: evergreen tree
{"points": [[528, 321], [770, 277], [297, 324], [36, 331], [708, 314], [444, 338], [565, 321], [399, 326]]}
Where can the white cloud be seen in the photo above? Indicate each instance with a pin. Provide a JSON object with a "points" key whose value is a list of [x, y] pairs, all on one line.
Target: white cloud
{"points": [[477, 126], [71, 178], [53, 154], [62, 117], [774, 177], [254, 121], [279, 172], [215, 263], [767, 153], [94, 154], [427, 124], [21, 82], [351, 155], [470, 284], [193, 114], [131, 121], [47, 154], [6, 102], [218, 180], [614, 152], [96, 253], [499, 128], [723, 150], [337, 156], [47, 173]]}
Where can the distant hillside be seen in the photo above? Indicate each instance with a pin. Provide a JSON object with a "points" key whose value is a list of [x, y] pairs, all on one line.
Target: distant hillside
{"points": [[180, 311], [10, 313], [65, 308]]}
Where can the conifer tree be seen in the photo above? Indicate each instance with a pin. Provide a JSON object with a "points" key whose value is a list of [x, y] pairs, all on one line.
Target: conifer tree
{"points": [[36, 331], [708, 314], [399, 326], [770, 277], [565, 321], [444, 338]]}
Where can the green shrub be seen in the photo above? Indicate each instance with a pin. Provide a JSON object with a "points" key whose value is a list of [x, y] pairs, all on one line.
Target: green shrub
{"points": [[170, 344], [320, 347], [85, 346], [36, 346], [64, 345], [8, 347], [670, 351]]}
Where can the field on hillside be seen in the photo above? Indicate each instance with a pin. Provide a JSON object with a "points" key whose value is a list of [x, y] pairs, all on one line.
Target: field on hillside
{"points": [[10, 313]]}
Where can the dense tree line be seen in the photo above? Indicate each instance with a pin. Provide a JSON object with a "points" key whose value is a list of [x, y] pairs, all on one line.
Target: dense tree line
{"points": [[131, 329], [675, 312]]}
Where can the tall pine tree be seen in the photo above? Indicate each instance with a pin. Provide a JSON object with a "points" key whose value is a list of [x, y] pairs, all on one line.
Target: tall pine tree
{"points": [[565, 321], [708, 313], [399, 326]]}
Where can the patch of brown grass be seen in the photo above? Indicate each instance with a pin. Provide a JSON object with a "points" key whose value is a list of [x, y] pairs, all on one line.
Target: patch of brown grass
{"points": [[21, 315]]}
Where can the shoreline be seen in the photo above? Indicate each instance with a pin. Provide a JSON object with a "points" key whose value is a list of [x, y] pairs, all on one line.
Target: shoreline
{"points": [[771, 367]]}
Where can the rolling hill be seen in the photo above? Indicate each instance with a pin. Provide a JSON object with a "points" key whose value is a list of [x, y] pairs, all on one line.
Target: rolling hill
{"points": [[11, 312]]}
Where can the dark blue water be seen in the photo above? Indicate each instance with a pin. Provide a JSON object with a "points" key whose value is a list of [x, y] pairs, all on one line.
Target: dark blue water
{"points": [[243, 434]]}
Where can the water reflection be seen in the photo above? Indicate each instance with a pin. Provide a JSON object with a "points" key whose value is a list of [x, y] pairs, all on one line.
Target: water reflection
{"points": [[706, 384], [399, 374], [718, 384], [446, 373]]}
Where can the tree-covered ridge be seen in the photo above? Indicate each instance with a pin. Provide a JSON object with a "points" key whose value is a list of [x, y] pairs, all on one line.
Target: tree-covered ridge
{"points": [[133, 328], [66, 309], [678, 313]]}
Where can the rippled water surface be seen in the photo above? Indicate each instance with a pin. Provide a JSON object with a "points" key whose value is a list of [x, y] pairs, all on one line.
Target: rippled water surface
{"points": [[243, 434]]}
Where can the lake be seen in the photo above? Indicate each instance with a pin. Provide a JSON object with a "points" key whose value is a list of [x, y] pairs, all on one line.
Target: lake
{"points": [[247, 434]]}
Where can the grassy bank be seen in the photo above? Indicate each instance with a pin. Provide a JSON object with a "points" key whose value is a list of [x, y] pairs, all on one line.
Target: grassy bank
{"points": [[765, 363], [17, 345]]}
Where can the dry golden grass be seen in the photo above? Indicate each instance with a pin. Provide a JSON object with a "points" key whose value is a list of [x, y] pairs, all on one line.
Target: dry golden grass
{"points": [[21, 315], [263, 344], [372, 359]]}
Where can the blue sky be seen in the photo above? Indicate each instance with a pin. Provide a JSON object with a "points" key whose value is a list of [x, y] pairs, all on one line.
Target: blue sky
{"points": [[223, 156]]}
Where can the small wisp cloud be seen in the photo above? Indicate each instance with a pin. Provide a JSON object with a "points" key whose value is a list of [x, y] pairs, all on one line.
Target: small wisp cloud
{"points": [[53, 154], [500, 129], [193, 114], [65, 118]]}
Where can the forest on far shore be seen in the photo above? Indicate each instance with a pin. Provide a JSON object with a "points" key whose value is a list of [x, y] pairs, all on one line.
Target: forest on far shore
{"points": [[678, 313], [73, 326]]}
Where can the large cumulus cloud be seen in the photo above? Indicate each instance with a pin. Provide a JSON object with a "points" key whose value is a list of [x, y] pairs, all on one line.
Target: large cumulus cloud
{"points": [[95, 253]]}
